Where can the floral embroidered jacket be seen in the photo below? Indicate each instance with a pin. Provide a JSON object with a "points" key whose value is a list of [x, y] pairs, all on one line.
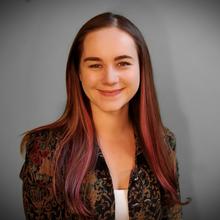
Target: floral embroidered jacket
{"points": [[146, 198]]}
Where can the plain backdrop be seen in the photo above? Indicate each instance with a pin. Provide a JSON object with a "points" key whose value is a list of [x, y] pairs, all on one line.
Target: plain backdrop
{"points": [[184, 42]]}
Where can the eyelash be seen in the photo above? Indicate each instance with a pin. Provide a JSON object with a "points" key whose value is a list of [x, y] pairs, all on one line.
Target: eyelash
{"points": [[127, 64], [96, 65]]}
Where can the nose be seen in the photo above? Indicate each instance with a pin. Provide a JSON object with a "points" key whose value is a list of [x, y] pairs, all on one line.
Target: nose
{"points": [[110, 76]]}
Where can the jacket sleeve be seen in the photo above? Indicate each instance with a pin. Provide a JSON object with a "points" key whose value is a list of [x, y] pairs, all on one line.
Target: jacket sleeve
{"points": [[173, 212], [38, 197]]}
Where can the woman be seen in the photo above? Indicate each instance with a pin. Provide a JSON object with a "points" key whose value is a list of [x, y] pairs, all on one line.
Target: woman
{"points": [[108, 156]]}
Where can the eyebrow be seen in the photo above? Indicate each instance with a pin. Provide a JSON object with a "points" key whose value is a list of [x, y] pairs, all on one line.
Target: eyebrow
{"points": [[98, 59]]}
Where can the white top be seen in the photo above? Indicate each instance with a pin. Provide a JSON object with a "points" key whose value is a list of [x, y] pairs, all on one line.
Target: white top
{"points": [[121, 204]]}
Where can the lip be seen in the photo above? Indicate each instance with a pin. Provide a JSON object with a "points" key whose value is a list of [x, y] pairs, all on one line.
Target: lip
{"points": [[110, 92]]}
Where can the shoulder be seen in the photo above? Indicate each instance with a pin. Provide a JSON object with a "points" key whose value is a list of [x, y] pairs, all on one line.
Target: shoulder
{"points": [[42, 143], [170, 138], [43, 140], [40, 148]]}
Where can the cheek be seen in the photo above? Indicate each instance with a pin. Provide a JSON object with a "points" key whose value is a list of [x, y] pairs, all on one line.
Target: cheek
{"points": [[136, 83], [134, 78], [88, 80]]}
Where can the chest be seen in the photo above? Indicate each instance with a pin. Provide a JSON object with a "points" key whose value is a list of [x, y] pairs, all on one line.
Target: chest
{"points": [[120, 161], [144, 193]]}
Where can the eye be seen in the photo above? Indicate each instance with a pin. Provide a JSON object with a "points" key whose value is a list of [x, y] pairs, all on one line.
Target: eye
{"points": [[124, 64], [95, 66]]}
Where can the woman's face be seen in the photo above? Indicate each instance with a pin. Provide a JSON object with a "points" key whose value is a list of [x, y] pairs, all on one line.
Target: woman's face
{"points": [[109, 69]]}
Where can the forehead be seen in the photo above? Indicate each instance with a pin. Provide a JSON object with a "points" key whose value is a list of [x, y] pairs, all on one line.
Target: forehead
{"points": [[108, 42]]}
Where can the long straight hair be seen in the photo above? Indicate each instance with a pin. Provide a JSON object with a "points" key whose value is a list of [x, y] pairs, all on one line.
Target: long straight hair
{"points": [[75, 150]]}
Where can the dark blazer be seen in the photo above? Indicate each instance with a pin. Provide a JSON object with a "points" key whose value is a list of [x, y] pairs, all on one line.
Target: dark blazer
{"points": [[146, 198]]}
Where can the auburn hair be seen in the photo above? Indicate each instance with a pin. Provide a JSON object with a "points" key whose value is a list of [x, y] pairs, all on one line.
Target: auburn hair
{"points": [[75, 150]]}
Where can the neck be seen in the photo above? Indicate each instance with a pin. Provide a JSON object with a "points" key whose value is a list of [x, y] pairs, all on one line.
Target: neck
{"points": [[111, 124]]}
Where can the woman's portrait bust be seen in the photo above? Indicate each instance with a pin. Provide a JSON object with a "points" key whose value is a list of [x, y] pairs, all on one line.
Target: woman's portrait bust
{"points": [[109, 110], [109, 156]]}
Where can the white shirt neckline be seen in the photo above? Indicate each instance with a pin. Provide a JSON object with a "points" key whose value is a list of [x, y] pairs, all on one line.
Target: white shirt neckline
{"points": [[121, 204]]}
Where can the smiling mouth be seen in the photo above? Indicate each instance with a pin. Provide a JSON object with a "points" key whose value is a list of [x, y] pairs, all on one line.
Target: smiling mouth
{"points": [[110, 92]]}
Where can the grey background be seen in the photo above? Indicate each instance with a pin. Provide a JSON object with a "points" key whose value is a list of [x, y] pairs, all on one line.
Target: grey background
{"points": [[184, 42]]}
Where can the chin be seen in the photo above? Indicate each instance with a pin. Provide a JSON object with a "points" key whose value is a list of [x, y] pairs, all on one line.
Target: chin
{"points": [[111, 107]]}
